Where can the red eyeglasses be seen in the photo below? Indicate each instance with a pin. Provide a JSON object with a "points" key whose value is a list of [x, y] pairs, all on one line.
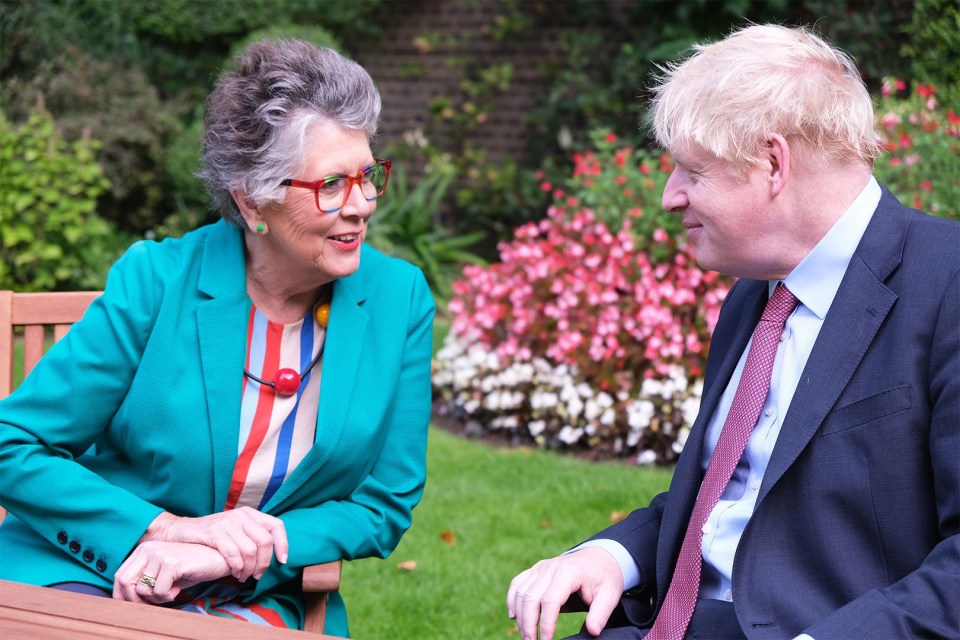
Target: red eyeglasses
{"points": [[331, 193]]}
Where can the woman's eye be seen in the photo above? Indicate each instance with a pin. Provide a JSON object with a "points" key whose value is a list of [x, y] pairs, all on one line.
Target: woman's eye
{"points": [[332, 185]]}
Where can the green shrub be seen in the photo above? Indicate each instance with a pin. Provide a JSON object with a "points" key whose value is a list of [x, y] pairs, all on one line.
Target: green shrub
{"points": [[119, 107], [933, 46], [52, 237], [405, 225]]}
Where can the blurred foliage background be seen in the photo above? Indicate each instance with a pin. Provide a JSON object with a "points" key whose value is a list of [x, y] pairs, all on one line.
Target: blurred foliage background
{"points": [[130, 78]]}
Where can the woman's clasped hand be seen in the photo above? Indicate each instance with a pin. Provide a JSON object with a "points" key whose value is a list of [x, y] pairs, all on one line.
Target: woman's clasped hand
{"points": [[180, 552]]}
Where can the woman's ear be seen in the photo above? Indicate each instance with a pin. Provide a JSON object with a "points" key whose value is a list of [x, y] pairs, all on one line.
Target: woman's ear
{"points": [[778, 155], [249, 210]]}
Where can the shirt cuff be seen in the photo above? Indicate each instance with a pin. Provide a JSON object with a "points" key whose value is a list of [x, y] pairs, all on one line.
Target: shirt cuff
{"points": [[631, 574]]}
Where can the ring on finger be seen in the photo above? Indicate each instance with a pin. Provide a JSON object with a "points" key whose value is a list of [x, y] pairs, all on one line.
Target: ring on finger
{"points": [[149, 581]]}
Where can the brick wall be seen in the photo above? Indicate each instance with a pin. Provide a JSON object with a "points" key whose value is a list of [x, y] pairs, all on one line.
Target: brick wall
{"points": [[392, 55]]}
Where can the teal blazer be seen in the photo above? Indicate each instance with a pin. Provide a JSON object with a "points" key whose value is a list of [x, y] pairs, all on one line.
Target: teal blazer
{"points": [[151, 378]]}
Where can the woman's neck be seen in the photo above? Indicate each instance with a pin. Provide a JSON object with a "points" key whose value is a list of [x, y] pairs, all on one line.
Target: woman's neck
{"points": [[281, 303]]}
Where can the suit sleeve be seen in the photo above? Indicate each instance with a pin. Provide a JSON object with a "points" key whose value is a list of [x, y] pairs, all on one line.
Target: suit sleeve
{"points": [[924, 603], [59, 411], [371, 520]]}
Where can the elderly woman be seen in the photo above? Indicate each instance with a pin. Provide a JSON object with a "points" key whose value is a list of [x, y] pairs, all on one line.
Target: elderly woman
{"points": [[244, 401]]}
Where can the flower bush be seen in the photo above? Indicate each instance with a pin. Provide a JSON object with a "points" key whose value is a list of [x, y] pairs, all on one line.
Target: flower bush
{"points": [[921, 165], [592, 329], [579, 337]]}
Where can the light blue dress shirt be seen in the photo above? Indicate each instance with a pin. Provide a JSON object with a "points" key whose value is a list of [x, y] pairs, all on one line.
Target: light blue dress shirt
{"points": [[814, 282]]}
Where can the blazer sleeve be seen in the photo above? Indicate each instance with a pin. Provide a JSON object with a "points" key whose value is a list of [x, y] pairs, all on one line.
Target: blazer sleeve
{"points": [[59, 411], [923, 603], [371, 520]]}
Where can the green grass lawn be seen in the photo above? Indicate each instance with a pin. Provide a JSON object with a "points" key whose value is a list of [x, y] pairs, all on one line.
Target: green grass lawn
{"points": [[487, 514]]}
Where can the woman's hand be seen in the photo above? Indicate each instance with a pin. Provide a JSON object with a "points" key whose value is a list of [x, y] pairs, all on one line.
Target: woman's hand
{"points": [[173, 565], [246, 538]]}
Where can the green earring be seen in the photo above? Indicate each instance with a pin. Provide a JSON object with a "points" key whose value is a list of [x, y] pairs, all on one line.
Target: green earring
{"points": [[260, 228]]}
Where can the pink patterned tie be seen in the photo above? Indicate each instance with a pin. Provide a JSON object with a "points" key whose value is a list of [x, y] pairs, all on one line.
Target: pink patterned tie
{"points": [[671, 623]]}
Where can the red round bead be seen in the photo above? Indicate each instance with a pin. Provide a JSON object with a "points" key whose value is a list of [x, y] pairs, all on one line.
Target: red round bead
{"points": [[286, 382]]}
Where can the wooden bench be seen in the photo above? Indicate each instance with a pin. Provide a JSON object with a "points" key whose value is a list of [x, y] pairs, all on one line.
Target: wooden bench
{"points": [[34, 312]]}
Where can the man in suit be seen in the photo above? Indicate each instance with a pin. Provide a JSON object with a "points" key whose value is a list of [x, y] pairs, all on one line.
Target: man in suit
{"points": [[840, 517]]}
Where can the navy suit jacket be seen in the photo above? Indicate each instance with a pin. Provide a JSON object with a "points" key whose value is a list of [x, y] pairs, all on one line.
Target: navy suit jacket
{"points": [[855, 531]]}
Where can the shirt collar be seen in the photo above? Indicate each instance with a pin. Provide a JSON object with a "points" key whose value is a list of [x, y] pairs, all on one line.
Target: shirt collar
{"points": [[816, 279]]}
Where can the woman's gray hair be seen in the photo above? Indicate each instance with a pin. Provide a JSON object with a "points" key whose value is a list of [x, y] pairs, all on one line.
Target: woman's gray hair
{"points": [[730, 95], [258, 117]]}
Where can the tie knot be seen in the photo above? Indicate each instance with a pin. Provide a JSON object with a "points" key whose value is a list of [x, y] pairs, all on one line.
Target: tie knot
{"points": [[780, 305]]}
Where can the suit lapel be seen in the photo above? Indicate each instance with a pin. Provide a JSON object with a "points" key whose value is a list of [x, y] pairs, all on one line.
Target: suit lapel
{"points": [[858, 310], [345, 343], [221, 328], [729, 342]]}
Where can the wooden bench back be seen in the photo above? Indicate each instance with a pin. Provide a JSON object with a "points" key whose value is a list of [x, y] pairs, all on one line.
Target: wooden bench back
{"points": [[34, 312]]}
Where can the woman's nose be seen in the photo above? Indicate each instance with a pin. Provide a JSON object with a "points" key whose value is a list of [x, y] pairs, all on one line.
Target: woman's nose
{"points": [[357, 204]]}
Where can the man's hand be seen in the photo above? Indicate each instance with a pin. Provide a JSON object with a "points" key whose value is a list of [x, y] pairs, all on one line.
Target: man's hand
{"points": [[172, 565], [536, 595], [246, 538]]}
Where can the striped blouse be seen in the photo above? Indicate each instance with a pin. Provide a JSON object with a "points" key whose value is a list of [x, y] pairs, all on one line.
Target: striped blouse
{"points": [[276, 431]]}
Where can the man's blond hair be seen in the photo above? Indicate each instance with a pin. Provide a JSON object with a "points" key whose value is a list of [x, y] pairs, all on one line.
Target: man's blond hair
{"points": [[762, 79]]}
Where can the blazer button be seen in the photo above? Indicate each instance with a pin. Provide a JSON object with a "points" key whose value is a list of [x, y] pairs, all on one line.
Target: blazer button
{"points": [[75, 546], [62, 537], [101, 565], [88, 555]]}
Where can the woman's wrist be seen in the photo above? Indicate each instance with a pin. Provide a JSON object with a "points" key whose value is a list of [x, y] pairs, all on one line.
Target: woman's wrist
{"points": [[159, 529]]}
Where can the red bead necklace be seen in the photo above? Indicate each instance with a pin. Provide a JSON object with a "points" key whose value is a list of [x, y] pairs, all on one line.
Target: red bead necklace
{"points": [[286, 381]]}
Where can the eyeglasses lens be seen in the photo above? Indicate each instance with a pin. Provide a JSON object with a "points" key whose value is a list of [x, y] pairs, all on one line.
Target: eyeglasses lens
{"points": [[333, 194]]}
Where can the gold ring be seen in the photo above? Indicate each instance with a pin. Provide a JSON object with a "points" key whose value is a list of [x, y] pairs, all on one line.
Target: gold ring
{"points": [[150, 581]]}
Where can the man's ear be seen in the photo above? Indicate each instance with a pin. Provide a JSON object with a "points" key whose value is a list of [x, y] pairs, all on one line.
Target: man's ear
{"points": [[248, 209], [778, 155]]}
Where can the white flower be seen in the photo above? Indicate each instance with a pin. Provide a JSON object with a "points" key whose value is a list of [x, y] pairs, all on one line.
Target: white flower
{"points": [[639, 413], [569, 435], [543, 399], [681, 440], [647, 456], [592, 409], [689, 408], [609, 417], [536, 427], [650, 387]]}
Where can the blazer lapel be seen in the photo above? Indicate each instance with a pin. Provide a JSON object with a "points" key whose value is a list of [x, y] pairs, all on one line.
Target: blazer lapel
{"points": [[221, 327], [688, 475], [345, 343], [858, 310]]}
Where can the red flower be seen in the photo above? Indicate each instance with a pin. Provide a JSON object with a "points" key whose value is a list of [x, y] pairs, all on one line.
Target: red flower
{"points": [[952, 118], [925, 90], [926, 185], [610, 137], [621, 158]]}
